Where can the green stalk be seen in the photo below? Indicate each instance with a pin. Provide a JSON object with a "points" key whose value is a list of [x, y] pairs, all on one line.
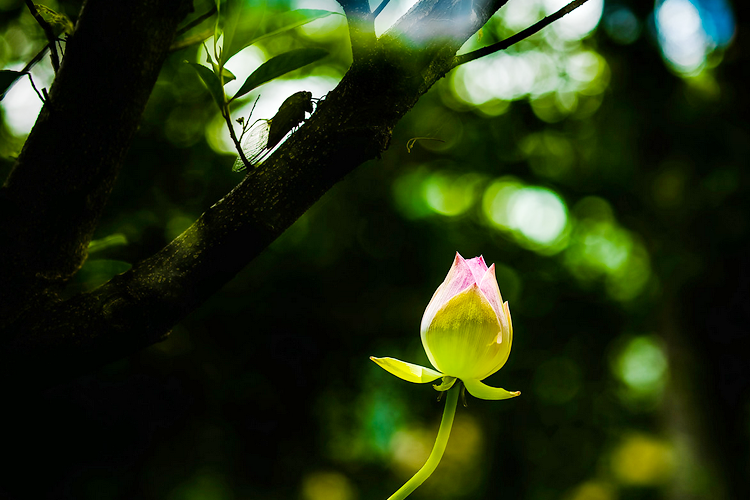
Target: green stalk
{"points": [[437, 451]]}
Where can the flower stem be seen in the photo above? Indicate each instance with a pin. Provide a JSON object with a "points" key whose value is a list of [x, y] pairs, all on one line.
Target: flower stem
{"points": [[437, 451]]}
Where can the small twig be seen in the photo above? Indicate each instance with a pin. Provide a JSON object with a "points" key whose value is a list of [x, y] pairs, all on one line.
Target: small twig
{"points": [[504, 44], [246, 125], [27, 71], [380, 8], [195, 22], [35, 89], [35, 59], [228, 119], [51, 38]]}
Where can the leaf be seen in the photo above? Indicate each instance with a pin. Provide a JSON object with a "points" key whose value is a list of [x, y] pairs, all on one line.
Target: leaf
{"points": [[113, 240], [279, 65], [228, 76], [245, 29], [276, 25], [60, 22], [218, 18], [7, 79], [229, 16], [212, 82]]}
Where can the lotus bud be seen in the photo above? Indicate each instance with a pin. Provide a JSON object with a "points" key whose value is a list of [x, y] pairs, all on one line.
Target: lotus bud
{"points": [[466, 331]]}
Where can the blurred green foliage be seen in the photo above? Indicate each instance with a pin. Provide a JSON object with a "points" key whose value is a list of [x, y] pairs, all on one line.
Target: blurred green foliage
{"points": [[606, 181]]}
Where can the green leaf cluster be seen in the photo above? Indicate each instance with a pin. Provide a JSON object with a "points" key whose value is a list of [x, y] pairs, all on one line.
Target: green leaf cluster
{"points": [[60, 22], [236, 30]]}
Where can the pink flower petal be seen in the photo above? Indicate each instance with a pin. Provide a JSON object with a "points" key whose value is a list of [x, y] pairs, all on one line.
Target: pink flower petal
{"points": [[489, 288], [478, 268], [460, 277]]}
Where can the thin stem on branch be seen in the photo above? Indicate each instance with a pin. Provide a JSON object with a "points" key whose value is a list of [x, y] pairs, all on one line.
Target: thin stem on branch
{"points": [[31, 80], [380, 8], [504, 44], [228, 119]]}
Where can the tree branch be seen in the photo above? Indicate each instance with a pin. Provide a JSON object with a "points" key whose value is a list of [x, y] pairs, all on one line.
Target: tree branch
{"points": [[380, 8], [439, 20], [504, 44], [361, 27], [138, 308], [52, 199], [431, 32]]}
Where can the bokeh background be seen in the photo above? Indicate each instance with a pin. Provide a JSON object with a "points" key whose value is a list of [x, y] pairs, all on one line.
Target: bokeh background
{"points": [[601, 165]]}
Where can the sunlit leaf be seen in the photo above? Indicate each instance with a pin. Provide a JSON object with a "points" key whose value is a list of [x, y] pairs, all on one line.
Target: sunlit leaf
{"points": [[217, 31], [279, 65], [227, 75], [212, 82], [60, 22], [245, 29], [277, 25], [113, 240], [229, 17], [7, 79]]}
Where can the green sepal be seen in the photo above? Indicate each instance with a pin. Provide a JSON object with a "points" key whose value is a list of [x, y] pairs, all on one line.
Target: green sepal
{"points": [[446, 384], [407, 371], [484, 391]]}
